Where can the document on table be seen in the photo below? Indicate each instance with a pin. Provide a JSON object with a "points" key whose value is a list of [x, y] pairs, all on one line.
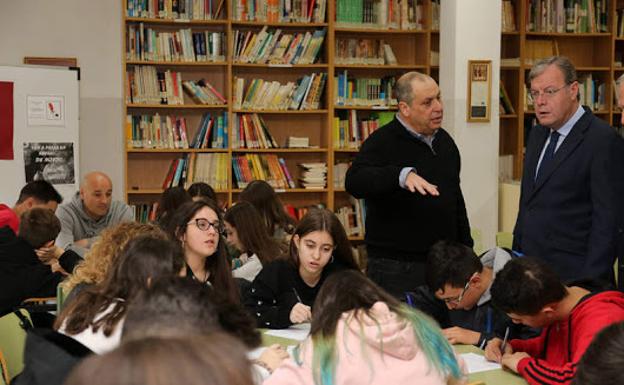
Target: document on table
{"points": [[477, 363], [297, 332]]}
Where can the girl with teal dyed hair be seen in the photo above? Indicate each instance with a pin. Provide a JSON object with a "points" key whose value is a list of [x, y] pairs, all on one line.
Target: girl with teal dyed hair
{"points": [[362, 335]]}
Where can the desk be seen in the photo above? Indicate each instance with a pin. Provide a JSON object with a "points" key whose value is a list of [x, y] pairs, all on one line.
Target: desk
{"points": [[492, 377]]}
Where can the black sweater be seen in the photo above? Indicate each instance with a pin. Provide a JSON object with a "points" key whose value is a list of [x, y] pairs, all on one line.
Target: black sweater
{"points": [[401, 224], [272, 295], [22, 275]]}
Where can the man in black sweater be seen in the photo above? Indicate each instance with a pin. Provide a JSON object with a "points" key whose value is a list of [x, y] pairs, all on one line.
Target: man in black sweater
{"points": [[408, 174]]}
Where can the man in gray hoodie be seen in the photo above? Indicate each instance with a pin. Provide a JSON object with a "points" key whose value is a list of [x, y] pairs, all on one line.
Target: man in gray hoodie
{"points": [[89, 212]]}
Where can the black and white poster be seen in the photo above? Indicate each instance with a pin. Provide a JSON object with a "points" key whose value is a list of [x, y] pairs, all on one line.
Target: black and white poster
{"points": [[53, 162]]}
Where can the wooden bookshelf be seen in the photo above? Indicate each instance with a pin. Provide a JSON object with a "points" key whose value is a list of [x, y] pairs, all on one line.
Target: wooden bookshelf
{"points": [[147, 168], [592, 52]]}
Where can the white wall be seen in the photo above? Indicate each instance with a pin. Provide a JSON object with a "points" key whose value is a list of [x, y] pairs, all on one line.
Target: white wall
{"points": [[91, 31], [470, 30]]}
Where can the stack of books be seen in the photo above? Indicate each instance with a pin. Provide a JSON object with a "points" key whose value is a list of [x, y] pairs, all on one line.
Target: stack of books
{"points": [[313, 175], [298, 142], [260, 94], [364, 51], [276, 47], [250, 131], [267, 167]]}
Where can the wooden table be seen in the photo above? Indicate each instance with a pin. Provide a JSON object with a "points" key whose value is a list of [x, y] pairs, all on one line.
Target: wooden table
{"points": [[492, 377]]}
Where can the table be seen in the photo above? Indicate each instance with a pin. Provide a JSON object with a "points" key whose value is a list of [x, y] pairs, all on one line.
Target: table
{"points": [[492, 377]]}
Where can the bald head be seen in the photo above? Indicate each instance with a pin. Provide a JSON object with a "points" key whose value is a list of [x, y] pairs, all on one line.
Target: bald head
{"points": [[96, 191]]}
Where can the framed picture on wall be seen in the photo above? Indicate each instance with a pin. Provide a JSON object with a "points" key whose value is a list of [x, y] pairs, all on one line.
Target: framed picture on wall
{"points": [[479, 90]]}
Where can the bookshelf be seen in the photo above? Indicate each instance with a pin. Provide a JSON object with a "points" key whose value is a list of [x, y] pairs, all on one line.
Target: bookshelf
{"points": [[593, 46], [351, 45]]}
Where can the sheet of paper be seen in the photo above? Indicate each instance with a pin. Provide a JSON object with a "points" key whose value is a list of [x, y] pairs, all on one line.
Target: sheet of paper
{"points": [[477, 363], [296, 332], [256, 353]]}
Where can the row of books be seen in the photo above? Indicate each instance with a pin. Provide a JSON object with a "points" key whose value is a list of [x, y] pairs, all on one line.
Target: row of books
{"points": [[364, 51], [203, 167], [573, 16], [167, 132], [267, 167], [276, 47], [305, 94], [175, 9], [280, 11], [351, 132], [508, 17], [250, 131], [620, 23], [147, 85], [183, 45], [202, 92], [380, 14], [505, 104], [313, 175], [145, 212], [156, 131], [364, 91], [340, 174], [353, 217]]}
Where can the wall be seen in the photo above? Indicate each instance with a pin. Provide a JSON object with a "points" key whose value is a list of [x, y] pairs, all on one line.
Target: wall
{"points": [[91, 31], [470, 29]]}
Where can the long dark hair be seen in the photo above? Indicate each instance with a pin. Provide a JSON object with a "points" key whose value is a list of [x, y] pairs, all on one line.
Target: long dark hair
{"points": [[318, 219], [217, 264], [144, 258], [352, 291], [252, 233], [170, 200], [262, 196]]}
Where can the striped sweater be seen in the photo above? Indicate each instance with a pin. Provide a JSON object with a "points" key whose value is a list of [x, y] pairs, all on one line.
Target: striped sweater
{"points": [[555, 353]]}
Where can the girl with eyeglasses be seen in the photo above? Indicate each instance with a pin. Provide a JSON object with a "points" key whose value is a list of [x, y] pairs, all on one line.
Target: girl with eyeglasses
{"points": [[198, 227], [245, 231], [283, 292]]}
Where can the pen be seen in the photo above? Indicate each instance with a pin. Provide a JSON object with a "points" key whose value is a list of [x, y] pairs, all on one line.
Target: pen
{"points": [[504, 344], [297, 295]]}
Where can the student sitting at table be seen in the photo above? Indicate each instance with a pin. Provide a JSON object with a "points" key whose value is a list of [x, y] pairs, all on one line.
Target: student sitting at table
{"points": [[245, 231], [462, 280], [283, 293], [362, 335], [532, 294], [603, 360]]}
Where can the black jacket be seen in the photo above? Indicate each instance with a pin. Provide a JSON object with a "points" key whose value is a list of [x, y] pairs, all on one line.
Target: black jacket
{"points": [[22, 275], [274, 293], [49, 357], [400, 223]]}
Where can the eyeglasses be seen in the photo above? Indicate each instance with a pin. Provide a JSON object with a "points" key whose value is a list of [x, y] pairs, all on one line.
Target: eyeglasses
{"points": [[204, 224], [548, 93], [458, 299]]}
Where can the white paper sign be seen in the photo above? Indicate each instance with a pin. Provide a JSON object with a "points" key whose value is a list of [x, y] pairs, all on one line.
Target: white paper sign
{"points": [[46, 110]]}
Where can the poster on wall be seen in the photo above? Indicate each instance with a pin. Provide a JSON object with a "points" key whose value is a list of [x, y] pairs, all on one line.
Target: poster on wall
{"points": [[6, 120], [53, 162], [45, 110]]}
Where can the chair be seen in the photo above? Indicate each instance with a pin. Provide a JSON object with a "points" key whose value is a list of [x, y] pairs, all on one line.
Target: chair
{"points": [[12, 341], [504, 239], [478, 241], [4, 373]]}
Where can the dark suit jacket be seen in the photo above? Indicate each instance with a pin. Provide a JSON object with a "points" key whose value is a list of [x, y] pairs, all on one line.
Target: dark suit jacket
{"points": [[571, 216]]}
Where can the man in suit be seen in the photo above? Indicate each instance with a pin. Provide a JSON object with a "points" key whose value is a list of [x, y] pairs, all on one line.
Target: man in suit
{"points": [[408, 173], [569, 212]]}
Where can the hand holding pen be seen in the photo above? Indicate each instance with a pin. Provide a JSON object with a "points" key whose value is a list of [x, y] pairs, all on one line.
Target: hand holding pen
{"points": [[300, 313], [496, 348]]}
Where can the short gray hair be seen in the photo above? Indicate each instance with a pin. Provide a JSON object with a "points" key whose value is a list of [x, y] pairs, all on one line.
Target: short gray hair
{"points": [[403, 87], [562, 62]]}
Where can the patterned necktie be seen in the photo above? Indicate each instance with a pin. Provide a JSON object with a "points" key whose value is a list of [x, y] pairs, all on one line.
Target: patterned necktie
{"points": [[549, 153]]}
